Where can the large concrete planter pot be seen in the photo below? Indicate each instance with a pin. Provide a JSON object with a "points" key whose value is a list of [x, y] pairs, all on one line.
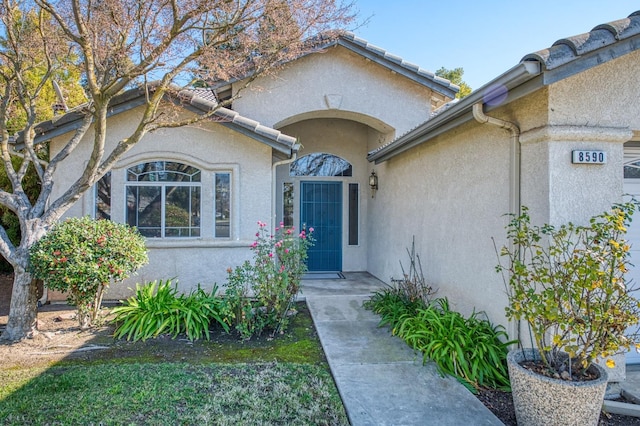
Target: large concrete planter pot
{"points": [[541, 400]]}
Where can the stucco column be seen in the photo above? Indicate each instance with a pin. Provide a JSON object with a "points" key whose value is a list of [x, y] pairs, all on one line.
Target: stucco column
{"points": [[558, 191]]}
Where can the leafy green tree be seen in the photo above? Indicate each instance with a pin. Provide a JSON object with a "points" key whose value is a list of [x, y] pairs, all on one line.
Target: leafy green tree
{"points": [[119, 44], [81, 256], [455, 76]]}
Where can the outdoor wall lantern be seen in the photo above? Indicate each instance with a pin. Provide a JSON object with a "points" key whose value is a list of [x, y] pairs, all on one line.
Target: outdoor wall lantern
{"points": [[373, 183]]}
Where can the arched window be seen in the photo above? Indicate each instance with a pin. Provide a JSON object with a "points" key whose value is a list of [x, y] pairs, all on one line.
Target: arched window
{"points": [[163, 199], [321, 164]]}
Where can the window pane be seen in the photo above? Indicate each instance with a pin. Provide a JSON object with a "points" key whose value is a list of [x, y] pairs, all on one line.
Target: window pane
{"points": [[287, 204], [144, 207], [320, 164], [163, 171], [182, 211], [223, 205], [353, 214], [102, 201], [632, 171]]}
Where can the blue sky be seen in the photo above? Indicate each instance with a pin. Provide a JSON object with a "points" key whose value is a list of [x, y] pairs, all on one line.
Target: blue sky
{"points": [[486, 38]]}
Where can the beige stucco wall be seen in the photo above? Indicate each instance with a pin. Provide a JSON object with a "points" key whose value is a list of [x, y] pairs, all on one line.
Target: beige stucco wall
{"points": [[603, 96], [340, 103], [335, 84], [212, 148], [451, 192], [593, 110]]}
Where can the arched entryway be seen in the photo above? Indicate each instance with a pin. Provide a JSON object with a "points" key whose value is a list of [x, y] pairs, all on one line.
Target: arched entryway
{"points": [[327, 188]]}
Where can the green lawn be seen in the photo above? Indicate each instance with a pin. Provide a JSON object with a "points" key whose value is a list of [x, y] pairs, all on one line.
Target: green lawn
{"points": [[171, 394], [280, 381]]}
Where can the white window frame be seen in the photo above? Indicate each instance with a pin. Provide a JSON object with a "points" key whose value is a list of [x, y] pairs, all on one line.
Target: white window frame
{"points": [[214, 192], [163, 185]]}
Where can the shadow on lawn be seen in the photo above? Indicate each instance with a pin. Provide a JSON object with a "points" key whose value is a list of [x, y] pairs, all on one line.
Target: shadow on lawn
{"points": [[67, 376]]}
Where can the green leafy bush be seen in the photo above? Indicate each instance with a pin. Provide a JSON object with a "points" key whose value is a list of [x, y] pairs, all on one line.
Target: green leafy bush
{"points": [[392, 303], [260, 294], [470, 349], [569, 284], [157, 308], [81, 256]]}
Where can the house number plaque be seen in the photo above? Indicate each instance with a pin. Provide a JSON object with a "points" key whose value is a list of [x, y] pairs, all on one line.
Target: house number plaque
{"points": [[588, 157]]}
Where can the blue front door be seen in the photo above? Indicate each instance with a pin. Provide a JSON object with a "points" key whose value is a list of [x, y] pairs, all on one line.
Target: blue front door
{"points": [[321, 209]]}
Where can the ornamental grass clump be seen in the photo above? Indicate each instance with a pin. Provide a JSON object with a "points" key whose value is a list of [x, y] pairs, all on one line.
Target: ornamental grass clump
{"points": [[157, 309], [82, 256], [470, 349], [569, 284]]}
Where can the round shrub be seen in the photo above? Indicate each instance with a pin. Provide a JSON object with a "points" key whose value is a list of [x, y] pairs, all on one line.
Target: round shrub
{"points": [[81, 256]]}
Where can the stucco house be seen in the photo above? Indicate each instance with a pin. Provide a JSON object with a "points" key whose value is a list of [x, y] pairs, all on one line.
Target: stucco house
{"points": [[303, 147], [291, 149]]}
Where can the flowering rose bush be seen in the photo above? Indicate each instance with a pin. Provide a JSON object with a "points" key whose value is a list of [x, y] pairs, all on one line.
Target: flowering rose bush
{"points": [[82, 256], [260, 293]]}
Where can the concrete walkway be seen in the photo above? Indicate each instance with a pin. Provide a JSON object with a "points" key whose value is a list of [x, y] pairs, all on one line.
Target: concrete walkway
{"points": [[380, 379]]}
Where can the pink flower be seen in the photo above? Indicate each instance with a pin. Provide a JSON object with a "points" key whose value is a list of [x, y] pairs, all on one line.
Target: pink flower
{"points": [[270, 254], [286, 250], [254, 245], [281, 224], [257, 234], [310, 229]]}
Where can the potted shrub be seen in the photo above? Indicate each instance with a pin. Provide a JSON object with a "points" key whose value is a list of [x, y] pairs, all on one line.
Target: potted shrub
{"points": [[568, 284]]}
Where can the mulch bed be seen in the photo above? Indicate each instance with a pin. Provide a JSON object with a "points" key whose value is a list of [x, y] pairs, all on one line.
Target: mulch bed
{"points": [[501, 404]]}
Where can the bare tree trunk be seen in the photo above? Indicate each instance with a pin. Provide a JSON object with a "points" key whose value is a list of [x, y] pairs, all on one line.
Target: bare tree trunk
{"points": [[84, 316], [97, 303], [24, 297], [23, 310]]}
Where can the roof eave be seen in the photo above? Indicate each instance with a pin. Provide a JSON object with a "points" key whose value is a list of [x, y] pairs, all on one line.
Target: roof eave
{"points": [[378, 56], [279, 147], [398, 66], [134, 98], [277, 140], [518, 82], [592, 59]]}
